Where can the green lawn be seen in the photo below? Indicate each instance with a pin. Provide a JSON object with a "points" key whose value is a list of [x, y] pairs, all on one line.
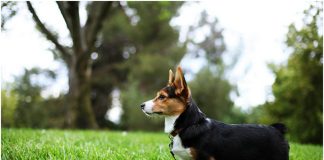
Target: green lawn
{"points": [[76, 144]]}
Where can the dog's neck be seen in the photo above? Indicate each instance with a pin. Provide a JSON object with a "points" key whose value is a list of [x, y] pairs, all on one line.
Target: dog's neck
{"points": [[169, 123], [192, 115]]}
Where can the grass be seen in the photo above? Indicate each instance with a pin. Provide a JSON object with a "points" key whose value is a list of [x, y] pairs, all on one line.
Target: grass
{"points": [[77, 144], [305, 152]]}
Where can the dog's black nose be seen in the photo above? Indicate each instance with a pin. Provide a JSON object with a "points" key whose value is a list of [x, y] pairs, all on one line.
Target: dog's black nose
{"points": [[143, 105]]}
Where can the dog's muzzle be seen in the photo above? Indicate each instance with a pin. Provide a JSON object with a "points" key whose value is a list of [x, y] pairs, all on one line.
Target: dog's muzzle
{"points": [[147, 107]]}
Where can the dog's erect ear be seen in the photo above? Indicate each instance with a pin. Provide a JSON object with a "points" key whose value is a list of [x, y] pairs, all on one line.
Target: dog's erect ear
{"points": [[171, 77], [181, 84]]}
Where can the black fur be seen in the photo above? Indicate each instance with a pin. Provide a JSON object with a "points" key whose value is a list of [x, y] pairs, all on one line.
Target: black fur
{"points": [[171, 91], [211, 138]]}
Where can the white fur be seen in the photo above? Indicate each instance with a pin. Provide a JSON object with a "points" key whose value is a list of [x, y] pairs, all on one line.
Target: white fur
{"points": [[148, 108], [177, 148], [169, 123]]}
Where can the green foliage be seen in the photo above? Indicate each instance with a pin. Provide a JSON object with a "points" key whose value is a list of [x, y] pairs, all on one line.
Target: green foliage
{"points": [[237, 116], [259, 115], [212, 47], [298, 88], [153, 27], [211, 93], [8, 10], [8, 107], [133, 117], [23, 105], [53, 110], [210, 89], [135, 48], [122, 45], [156, 51], [76, 144], [29, 99]]}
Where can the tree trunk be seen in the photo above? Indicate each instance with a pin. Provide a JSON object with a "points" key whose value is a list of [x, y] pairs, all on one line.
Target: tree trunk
{"points": [[79, 112]]}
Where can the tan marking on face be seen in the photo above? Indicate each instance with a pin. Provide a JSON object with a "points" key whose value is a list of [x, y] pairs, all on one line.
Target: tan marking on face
{"points": [[167, 106], [162, 92]]}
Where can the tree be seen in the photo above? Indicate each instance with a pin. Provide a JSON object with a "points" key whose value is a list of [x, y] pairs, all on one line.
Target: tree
{"points": [[110, 70], [125, 42], [152, 50], [298, 87], [29, 111], [8, 106], [212, 47], [210, 89], [211, 93], [23, 105], [77, 57]]}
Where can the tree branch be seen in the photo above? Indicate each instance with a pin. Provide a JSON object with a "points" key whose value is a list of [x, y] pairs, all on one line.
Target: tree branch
{"points": [[73, 10], [70, 13], [62, 7], [97, 13], [47, 33]]}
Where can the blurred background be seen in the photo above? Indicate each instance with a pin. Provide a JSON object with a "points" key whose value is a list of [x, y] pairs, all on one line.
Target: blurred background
{"points": [[89, 65]]}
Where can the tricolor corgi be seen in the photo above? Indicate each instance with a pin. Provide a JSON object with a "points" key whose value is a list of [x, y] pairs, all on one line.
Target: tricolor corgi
{"points": [[194, 136]]}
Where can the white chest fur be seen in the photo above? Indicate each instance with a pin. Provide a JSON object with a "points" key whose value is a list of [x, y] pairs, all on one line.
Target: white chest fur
{"points": [[169, 123], [177, 148]]}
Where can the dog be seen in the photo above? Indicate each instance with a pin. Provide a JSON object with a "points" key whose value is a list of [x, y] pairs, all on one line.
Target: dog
{"points": [[194, 136]]}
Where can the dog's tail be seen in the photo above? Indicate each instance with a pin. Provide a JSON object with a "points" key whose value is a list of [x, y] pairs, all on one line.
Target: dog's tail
{"points": [[280, 127]]}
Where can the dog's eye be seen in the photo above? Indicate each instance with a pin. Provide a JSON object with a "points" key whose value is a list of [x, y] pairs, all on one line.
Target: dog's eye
{"points": [[161, 97]]}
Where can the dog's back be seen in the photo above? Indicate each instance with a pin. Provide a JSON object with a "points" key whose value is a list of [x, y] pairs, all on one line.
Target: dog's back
{"points": [[237, 142]]}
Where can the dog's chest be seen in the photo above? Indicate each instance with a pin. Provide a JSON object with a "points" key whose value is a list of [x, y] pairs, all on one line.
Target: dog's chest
{"points": [[179, 150]]}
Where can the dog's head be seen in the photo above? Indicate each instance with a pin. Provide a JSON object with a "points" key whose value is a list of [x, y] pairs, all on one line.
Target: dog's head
{"points": [[170, 100]]}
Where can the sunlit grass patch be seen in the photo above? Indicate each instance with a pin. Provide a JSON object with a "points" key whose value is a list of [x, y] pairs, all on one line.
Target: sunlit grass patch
{"points": [[79, 144]]}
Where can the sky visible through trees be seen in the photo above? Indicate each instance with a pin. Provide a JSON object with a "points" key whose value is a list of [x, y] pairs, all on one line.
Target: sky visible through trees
{"points": [[239, 37], [244, 63]]}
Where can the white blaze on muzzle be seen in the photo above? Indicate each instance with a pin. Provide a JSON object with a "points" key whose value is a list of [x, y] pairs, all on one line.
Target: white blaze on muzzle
{"points": [[148, 106]]}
